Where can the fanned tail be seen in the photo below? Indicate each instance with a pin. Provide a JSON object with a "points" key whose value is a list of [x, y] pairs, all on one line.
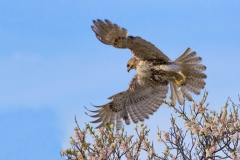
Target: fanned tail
{"points": [[193, 71]]}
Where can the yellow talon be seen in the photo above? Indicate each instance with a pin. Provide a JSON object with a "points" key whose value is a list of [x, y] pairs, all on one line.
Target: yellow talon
{"points": [[182, 81]]}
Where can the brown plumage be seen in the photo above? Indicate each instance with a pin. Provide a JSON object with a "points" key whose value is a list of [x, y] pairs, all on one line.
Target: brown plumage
{"points": [[154, 71]]}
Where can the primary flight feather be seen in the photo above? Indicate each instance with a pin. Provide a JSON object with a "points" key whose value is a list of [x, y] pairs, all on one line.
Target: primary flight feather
{"points": [[154, 71]]}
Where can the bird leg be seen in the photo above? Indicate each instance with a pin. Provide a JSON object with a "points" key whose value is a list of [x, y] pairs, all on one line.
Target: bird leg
{"points": [[181, 81]]}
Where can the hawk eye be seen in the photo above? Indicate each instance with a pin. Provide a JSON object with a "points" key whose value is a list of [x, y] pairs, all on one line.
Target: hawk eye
{"points": [[128, 65]]}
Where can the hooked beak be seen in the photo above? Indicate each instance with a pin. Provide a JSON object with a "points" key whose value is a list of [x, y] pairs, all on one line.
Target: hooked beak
{"points": [[128, 69]]}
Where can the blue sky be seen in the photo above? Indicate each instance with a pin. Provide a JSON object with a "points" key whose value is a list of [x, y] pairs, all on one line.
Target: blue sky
{"points": [[52, 65]]}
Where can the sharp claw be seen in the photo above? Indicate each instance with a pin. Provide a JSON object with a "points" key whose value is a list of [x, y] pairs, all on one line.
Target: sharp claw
{"points": [[181, 82]]}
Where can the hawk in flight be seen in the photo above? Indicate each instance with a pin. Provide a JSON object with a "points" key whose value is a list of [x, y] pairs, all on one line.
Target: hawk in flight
{"points": [[154, 72]]}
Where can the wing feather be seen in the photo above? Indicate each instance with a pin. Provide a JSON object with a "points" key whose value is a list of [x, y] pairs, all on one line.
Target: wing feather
{"points": [[136, 113], [153, 106], [144, 96], [112, 118], [142, 111], [132, 114], [140, 100], [111, 34], [118, 121], [147, 108]]}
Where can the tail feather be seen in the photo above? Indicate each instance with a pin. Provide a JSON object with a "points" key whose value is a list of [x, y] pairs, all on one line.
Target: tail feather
{"points": [[184, 54], [196, 82], [179, 96], [193, 70], [193, 89], [199, 75], [185, 93], [175, 94], [189, 56], [194, 60], [197, 67]]}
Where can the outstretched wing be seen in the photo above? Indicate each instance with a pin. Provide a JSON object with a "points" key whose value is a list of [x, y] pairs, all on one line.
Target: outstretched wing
{"points": [[140, 100], [112, 34]]}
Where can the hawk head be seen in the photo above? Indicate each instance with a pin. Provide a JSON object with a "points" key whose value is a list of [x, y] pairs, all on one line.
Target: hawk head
{"points": [[132, 63]]}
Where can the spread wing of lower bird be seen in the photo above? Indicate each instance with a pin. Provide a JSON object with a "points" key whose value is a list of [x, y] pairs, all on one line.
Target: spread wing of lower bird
{"points": [[140, 100], [154, 71]]}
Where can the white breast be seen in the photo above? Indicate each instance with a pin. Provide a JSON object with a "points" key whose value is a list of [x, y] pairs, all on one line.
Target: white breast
{"points": [[143, 69]]}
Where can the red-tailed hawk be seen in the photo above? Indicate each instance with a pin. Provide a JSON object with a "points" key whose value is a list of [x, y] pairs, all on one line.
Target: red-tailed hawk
{"points": [[154, 71]]}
